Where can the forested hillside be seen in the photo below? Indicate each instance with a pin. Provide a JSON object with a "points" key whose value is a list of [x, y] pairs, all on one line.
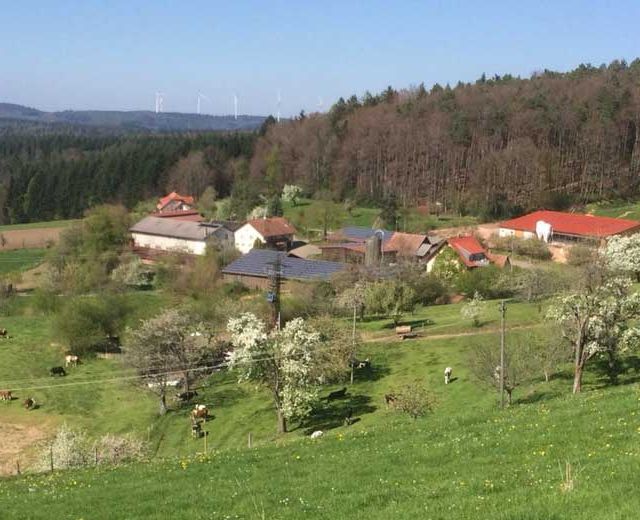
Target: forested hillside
{"points": [[492, 148], [52, 175]]}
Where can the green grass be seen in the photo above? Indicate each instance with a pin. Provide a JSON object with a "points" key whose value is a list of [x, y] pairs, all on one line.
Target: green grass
{"points": [[38, 225], [308, 216], [468, 459], [20, 259], [617, 209]]}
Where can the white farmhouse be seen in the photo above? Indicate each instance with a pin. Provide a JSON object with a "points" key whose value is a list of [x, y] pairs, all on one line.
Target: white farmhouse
{"points": [[181, 236], [275, 232]]}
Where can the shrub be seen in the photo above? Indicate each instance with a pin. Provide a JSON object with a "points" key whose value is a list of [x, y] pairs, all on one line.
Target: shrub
{"points": [[414, 400], [532, 248], [489, 281], [473, 310], [580, 255]]}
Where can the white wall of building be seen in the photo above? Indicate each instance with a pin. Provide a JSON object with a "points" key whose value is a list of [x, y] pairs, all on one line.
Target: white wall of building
{"points": [[195, 247], [506, 233], [246, 237]]}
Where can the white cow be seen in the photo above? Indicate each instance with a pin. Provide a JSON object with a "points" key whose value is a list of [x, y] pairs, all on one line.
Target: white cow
{"points": [[317, 434], [70, 359], [447, 375]]}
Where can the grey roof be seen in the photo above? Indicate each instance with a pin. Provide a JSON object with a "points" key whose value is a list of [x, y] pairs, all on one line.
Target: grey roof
{"points": [[428, 250], [229, 224], [257, 262], [362, 233], [172, 228]]}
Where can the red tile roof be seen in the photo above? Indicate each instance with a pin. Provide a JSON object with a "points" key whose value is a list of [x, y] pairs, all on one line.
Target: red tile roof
{"points": [[190, 215], [573, 224], [272, 227], [187, 199], [467, 246]]}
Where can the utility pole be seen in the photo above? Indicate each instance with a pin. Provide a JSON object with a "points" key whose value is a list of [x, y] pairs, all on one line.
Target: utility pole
{"points": [[503, 311], [353, 337]]}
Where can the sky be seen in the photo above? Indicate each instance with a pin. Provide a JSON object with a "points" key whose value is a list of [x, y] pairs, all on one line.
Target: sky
{"points": [[116, 54]]}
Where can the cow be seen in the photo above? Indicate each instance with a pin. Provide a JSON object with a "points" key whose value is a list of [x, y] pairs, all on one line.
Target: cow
{"points": [[186, 396], [57, 371], [338, 394], [196, 428], [5, 395], [4, 334], [390, 399], [317, 434], [348, 420], [29, 403], [447, 375], [200, 411], [70, 359], [356, 363]]}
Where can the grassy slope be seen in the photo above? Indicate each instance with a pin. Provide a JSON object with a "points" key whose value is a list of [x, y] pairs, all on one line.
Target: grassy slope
{"points": [[307, 216], [20, 259], [37, 225], [467, 455], [628, 210]]}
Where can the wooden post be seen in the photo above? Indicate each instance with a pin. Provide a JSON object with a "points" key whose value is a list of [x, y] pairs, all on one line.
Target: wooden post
{"points": [[503, 310], [51, 457], [96, 454], [204, 432], [250, 440], [353, 338], [17, 467]]}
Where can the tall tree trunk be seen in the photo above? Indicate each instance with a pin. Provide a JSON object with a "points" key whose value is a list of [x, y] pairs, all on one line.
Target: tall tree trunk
{"points": [[282, 422], [577, 378]]}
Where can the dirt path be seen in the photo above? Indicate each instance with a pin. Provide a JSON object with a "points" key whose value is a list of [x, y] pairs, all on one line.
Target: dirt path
{"points": [[17, 440], [394, 337]]}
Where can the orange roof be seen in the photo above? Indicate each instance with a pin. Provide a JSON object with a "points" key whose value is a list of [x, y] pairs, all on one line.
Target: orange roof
{"points": [[272, 227], [573, 224], [406, 244], [468, 246], [187, 199], [500, 260]]}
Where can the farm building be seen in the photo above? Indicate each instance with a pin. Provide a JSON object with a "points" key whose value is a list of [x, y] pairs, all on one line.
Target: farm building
{"points": [[557, 226], [174, 202], [472, 254], [306, 251], [162, 234], [350, 244], [254, 268], [274, 233]]}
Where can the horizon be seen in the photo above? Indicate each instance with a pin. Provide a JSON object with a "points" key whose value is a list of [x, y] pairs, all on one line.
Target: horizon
{"points": [[115, 57]]}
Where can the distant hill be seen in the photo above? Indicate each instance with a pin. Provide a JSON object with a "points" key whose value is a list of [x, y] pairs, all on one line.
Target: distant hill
{"points": [[131, 120]]}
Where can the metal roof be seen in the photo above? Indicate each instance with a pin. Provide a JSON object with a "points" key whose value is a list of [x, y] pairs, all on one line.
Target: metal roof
{"points": [[362, 233], [257, 262], [172, 228]]}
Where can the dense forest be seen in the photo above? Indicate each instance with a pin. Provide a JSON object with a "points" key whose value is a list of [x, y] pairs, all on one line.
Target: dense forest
{"points": [[499, 146], [492, 148], [49, 175]]}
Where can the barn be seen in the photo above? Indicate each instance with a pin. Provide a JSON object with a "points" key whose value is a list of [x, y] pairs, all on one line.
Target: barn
{"points": [[563, 227]]}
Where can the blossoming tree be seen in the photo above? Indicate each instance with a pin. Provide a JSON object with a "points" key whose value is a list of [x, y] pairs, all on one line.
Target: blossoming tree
{"points": [[281, 361]]}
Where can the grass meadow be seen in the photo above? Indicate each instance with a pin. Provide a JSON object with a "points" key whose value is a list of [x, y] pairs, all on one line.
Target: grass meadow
{"points": [[466, 459]]}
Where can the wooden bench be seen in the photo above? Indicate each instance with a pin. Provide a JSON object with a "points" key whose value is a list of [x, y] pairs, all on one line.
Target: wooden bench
{"points": [[403, 329]]}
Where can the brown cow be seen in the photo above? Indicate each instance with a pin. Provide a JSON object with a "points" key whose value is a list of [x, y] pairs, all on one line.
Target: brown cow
{"points": [[5, 395], [200, 411], [29, 403]]}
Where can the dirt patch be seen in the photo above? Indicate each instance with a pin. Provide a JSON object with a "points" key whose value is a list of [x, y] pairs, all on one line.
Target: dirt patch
{"points": [[17, 443], [31, 238]]}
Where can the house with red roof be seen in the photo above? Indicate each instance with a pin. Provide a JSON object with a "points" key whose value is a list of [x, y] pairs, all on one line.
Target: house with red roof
{"points": [[559, 226], [472, 254], [274, 233], [174, 202]]}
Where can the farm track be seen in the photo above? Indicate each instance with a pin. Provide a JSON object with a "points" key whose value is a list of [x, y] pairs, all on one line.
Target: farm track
{"points": [[394, 337]]}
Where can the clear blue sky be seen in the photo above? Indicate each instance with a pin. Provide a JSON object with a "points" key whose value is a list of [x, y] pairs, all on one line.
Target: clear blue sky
{"points": [[115, 54]]}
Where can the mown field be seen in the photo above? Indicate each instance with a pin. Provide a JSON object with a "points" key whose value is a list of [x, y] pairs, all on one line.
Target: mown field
{"points": [[466, 459], [20, 260], [309, 215], [616, 209]]}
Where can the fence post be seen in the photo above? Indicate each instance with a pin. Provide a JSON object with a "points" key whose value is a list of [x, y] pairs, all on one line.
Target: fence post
{"points": [[250, 440], [51, 457], [17, 467], [96, 454]]}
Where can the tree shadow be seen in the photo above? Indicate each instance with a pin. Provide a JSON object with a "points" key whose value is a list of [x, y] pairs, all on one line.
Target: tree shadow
{"points": [[626, 370], [415, 323], [374, 372], [331, 415], [536, 396]]}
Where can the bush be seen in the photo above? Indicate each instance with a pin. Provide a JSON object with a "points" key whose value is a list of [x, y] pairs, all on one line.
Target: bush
{"points": [[489, 281], [580, 255], [414, 400], [532, 248]]}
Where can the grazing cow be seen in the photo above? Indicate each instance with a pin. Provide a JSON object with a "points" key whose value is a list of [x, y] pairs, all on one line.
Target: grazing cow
{"points": [[200, 411], [196, 429], [348, 420], [338, 394], [317, 434], [70, 359], [364, 364], [5, 395], [187, 396], [29, 403], [447, 375], [390, 399], [57, 371], [4, 334]]}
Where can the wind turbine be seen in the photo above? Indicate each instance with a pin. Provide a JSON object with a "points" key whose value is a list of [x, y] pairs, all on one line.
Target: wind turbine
{"points": [[278, 106], [235, 106], [201, 96], [159, 102]]}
